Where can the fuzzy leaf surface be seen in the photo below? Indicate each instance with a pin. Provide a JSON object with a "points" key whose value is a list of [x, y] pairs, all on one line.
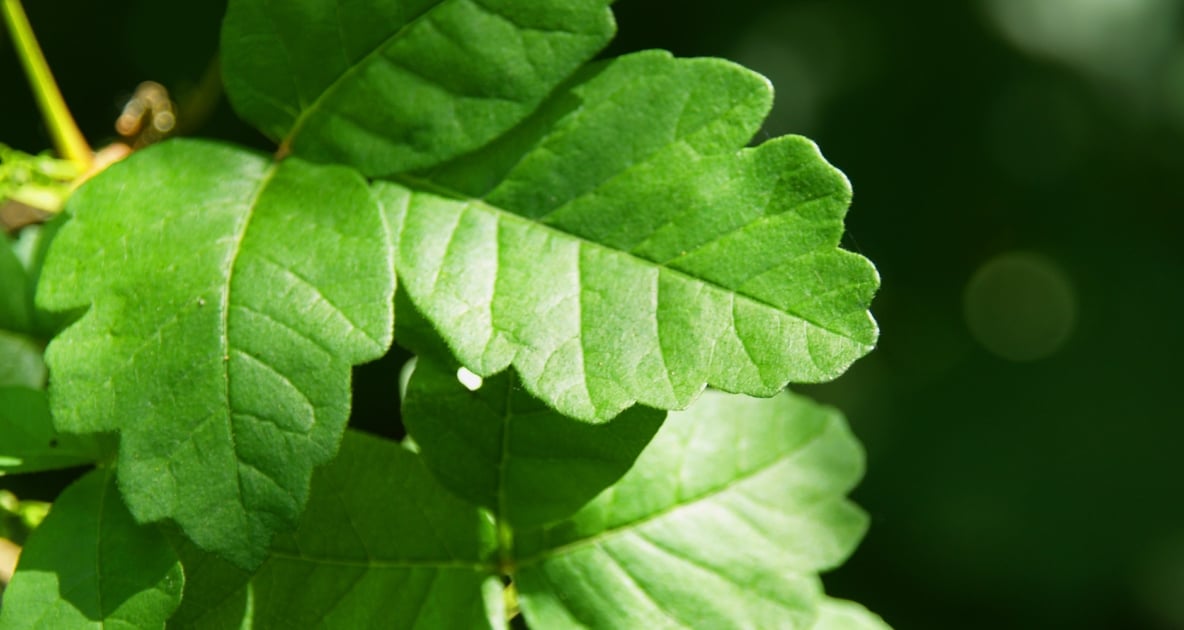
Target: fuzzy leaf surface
{"points": [[503, 449], [838, 614], [228, 298], [621, 246], [381, 546], [28, 440], [391, 86], [724, 522], [89, 565]]}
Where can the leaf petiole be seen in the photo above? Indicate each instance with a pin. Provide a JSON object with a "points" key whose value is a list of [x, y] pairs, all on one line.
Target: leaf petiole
{"points": [[67, 137]]}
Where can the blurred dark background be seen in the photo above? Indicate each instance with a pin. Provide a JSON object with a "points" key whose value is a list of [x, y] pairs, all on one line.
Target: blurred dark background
{"points": [[1017, 166]]}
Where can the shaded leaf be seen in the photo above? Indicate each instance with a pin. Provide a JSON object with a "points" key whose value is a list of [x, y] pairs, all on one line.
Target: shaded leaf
{"points": [[21, 262], [33, 248], [381, 546], [17, 519], [217, 593], [229, 296], [392, 86], [15, 307], [724, 522], [28, 441], [621, 246], [503, 449], [89, 565], [416, 334], [20, 353]]}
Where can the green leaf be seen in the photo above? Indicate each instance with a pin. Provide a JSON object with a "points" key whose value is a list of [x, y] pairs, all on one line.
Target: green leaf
{"points": [[217, 593], [21, 262], [23, 327], [381, 546], [33, 248], [20, 361], [503, 449], [28, 441], [228, 297], [837, 614], [89, 565], [724, 522], [392, 86], [621, 246], [15, 307]]}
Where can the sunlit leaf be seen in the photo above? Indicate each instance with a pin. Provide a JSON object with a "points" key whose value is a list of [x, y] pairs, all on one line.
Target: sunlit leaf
{"points": [[837, 614], [228, 297], [724, 522], [392, 86], [621, 246]]}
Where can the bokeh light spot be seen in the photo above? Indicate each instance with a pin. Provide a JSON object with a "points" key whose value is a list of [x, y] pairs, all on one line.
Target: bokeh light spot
{"points": [[471, 381], [1020, 306], [1116, 39]]}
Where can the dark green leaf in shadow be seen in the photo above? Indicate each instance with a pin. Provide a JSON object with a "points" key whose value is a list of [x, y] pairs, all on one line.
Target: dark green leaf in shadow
{"points": [[20, 352], [501, 448], [217, 594], [15, 306], [28, 441], [380, 546], [90, 565]]}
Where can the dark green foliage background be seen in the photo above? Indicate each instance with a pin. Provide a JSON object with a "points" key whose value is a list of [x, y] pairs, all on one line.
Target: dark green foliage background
{"points": [[1018, 495]]}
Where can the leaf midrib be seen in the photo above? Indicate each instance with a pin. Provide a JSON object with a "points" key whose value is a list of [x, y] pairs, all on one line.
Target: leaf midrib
{"points": [[312, 107], [543, 555], [387, 565], [224, 331], [419, 186]]}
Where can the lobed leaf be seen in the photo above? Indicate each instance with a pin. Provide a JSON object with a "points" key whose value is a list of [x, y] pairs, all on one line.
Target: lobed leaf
{"points": [[502, 449], [392, 86], [228, 297], [381, 545], [724, 522], [89, 565], [621, 246], [693, 536]]}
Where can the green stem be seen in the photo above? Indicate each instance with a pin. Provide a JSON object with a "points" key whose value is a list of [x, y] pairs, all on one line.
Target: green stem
{"points": [[66, 136]]}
